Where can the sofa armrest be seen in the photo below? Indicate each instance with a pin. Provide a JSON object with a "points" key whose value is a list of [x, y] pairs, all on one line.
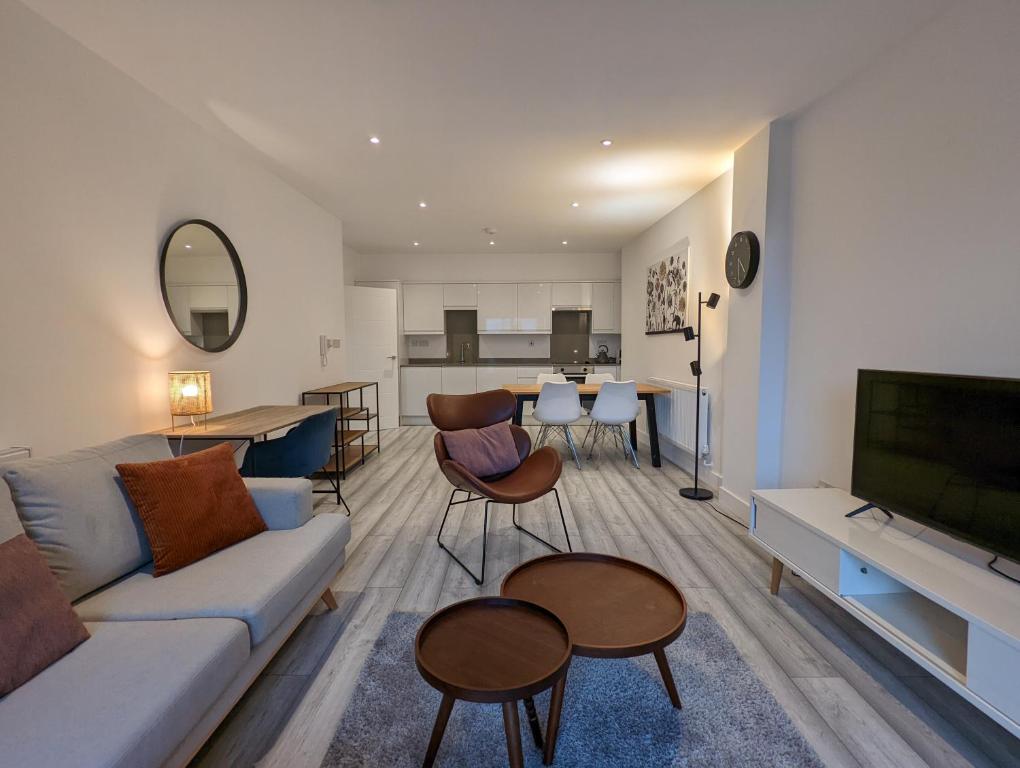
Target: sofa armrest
{"points": [[283, 502]]}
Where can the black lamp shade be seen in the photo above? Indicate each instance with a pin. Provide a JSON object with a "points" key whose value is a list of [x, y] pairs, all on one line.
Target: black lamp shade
{"points": [[688, 333], [713, 301], [696, 368]]}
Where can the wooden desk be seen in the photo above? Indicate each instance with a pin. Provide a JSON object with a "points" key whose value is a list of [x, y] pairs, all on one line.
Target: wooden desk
{"points": [[645, 392], [249, 424]]}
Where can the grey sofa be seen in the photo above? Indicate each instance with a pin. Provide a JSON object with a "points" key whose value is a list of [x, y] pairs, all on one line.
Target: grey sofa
{"points": [[169, 657]]}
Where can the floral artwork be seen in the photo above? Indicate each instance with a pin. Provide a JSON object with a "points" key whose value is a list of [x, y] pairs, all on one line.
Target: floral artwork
{"points": [[666, 309]]}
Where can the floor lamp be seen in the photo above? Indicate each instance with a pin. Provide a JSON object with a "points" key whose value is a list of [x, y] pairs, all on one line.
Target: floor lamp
{"points": [[696, 493]]}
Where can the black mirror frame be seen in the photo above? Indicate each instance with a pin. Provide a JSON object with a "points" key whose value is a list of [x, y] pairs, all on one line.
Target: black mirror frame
{"points": [[242, 286]]}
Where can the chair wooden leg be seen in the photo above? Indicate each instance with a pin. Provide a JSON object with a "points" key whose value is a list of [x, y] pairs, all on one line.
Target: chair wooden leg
{"points": [[512, 724], [445, 707], [329, 599], [777, 575]]}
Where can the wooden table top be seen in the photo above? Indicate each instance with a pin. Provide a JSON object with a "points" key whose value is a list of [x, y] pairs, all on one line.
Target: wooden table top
{"points": [[613, 608], [342, 388], [491, 649], [585, 389], [249, 423]]}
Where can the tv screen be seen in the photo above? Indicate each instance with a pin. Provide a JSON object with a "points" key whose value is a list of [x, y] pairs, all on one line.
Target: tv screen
{"points": [[944, 451]]}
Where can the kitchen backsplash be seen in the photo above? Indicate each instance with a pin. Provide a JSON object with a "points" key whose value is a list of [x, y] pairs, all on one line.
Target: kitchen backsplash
{"points": [[523, 345]]}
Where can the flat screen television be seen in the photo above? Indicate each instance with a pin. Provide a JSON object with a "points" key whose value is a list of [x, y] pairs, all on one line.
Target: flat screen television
{"points": [[944, 451]]}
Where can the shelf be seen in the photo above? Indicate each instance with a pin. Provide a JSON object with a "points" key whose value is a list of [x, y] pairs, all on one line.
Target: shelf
{"points": [[939, 634], [348, 436], [352, 414], [351, 457]]}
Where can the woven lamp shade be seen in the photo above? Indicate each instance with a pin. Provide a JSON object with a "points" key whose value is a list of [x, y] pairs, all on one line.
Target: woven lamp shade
{"points": [[190, 393]]}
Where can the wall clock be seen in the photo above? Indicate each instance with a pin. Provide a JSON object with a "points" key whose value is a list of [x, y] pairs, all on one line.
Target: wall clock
{"points": [[742, 259]]}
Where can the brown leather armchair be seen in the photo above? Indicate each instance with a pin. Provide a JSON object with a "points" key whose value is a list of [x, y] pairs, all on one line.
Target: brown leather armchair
{"points": [[535, 477]]}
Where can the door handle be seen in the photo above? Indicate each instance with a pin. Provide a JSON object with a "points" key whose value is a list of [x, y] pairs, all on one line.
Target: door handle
{"points": [[392, 357]]}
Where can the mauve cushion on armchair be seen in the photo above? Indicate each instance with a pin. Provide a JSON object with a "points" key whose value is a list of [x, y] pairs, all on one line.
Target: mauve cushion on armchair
{"points": [[484, 452], [37, 624]]}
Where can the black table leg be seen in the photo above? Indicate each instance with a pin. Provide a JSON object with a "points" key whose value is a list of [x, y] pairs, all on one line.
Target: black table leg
{"points": [[653, 430], [536, 726], [519, 411], [633, 434]]}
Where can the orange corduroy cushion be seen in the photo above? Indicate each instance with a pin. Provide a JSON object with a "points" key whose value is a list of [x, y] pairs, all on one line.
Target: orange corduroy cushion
{"points": [[37, 624], [191, 506]]}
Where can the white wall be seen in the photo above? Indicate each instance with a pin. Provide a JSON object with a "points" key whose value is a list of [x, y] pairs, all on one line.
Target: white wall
{"points": [[905, 198], [95, 171], [483, 267], [702, 223]]}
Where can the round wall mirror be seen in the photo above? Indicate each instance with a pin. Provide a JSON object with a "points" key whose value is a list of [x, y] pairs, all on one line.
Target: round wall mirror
{"points": [[203, 285]]}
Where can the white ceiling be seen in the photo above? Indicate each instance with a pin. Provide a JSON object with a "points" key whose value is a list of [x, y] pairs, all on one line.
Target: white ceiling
{"points": [[490, 110]]}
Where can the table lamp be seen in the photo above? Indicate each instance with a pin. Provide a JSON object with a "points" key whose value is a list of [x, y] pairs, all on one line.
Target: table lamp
{"points": [[190, 394]]}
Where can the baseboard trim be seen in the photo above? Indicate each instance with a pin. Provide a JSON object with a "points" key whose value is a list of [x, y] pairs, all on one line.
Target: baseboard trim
{"points": [[734, 506]]}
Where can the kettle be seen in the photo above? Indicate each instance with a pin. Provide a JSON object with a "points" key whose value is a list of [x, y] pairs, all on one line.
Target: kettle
{"points": [[603, 354]]}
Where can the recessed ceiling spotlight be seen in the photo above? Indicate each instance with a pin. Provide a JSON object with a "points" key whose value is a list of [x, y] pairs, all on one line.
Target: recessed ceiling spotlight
{"points": [[607, 142], [575, 204], [492, 242], [422, 204], [373, 139], [564, 242], [188, 246], [415, 243]]}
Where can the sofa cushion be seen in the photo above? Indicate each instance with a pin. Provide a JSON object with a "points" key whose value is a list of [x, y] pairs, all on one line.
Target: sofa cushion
{"points": [[126, 698], [191, 506], [10, 525], [76, 511], [258, 581], [37, 624]]}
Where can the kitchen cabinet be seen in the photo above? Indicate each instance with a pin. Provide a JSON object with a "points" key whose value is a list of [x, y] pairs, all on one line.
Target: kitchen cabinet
{"points": [[423, 308], [416, 384], [458, 379], [605, 308], [529, 374], [534, 307], [571, 295], [459, 295], [613, 369], [493, 377], [497, 307]]}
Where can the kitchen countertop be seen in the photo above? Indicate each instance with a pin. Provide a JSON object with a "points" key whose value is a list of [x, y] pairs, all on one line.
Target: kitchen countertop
{"points": [[520, 362]]}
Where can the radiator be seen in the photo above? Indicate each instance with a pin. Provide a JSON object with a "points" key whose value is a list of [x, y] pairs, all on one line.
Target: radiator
{"points": [[675, 415]]}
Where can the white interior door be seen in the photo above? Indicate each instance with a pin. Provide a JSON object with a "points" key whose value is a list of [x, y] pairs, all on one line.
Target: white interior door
{"points": [[372, 345]]}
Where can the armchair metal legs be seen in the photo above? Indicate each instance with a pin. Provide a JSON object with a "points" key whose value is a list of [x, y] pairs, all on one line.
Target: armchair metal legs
{"points": [[480, 579]]}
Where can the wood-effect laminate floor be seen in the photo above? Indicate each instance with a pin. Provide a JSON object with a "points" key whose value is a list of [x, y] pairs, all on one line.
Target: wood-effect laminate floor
{"points": [[857, 700]]}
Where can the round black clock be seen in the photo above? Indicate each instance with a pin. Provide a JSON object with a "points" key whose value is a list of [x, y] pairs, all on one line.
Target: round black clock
{"points": [[742, 259]]}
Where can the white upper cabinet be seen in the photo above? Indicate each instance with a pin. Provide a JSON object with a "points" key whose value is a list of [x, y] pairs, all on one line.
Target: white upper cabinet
{"points": [[423, 308], [605, 308], [497, 307], [571, 295], [534, 307], [460, 295]]}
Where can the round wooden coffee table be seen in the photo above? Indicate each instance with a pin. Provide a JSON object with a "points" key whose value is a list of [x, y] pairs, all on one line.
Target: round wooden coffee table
{"points": [[613, 608], [494, 650]]}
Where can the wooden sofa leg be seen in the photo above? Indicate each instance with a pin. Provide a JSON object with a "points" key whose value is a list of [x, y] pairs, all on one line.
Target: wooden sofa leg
{"points": [[777, 575], [329, 600]]}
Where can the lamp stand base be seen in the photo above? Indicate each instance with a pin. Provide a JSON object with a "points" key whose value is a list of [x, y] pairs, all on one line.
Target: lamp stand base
{"points": [[698, 494]]}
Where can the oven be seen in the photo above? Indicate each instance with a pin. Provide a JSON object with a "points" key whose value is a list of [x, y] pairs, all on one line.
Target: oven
{"points": [[573, 372]]}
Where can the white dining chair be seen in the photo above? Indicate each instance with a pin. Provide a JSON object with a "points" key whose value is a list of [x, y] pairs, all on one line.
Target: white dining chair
{"points": [[557, 408], [559, 378], [588, 401], [615, 406]]}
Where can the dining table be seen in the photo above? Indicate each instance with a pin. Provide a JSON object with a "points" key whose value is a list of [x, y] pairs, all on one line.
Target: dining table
{"points": [[528, 393]]}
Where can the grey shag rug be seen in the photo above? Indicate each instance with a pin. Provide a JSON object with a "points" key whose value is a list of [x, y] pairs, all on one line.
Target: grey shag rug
{"points": [[615, 712]]}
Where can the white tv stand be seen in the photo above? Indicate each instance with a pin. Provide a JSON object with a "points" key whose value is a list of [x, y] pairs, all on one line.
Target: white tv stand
{"points": [[958, 620]]}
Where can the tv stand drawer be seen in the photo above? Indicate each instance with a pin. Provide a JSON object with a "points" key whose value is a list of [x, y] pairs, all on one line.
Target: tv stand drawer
{"points": [[808, 552]]}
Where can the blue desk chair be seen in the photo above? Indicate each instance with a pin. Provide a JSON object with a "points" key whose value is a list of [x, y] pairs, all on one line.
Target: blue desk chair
{"points": [[302, 452]]}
